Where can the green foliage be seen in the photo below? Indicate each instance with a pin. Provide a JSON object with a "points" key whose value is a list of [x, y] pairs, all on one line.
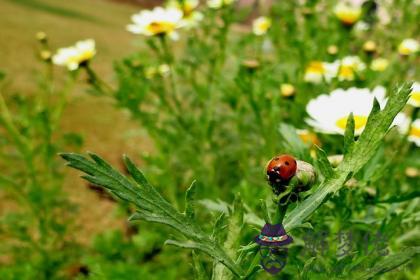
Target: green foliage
{"points": [[152, 207]]}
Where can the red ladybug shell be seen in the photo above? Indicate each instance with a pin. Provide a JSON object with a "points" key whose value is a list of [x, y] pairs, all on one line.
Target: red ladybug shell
{"points": [[281, 169]]}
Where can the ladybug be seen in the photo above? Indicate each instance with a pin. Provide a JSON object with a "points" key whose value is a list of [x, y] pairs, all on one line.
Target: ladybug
{"points": [[280, 170]]}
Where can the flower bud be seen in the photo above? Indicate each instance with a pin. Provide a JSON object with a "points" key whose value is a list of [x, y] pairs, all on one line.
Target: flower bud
{"points": [[41, 36], [332, 50], [287, 90], [369, 47]]}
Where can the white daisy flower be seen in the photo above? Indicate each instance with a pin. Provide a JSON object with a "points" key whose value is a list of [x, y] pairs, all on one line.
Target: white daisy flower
{"points": [[72, 57], [217, 4], [329, 112], [408, 46], [414, 134], [317, 71], [348, 13], [349, 67], [159, 21], [191, 17], [415, 95], [261, 25]]}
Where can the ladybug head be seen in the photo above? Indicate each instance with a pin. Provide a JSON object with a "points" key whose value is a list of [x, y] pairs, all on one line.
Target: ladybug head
{"points": [[280, 170]]}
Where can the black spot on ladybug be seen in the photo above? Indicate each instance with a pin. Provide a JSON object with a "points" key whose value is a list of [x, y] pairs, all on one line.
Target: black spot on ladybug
{"points": [[287, 163]]}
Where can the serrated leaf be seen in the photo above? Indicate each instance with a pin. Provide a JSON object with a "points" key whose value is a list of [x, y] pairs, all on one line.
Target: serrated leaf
{"points": [[323, 163], [349, 133], [190, 201], [231, 244], [151, 206], [389, 263], [358, 155]]}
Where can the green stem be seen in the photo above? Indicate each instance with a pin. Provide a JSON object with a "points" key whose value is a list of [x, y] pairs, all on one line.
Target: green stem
{"points": [[97, 82], [21, 143]]}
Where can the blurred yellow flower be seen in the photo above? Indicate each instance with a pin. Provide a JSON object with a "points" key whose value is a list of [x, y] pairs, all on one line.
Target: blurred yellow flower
{"points": [[72, 57], [287, 90], [217, 4], [369, 46], [348, 14], [45, 55], [415, 95], [316, 71], [162, 70], [159, 21], [329, 112], [261, 25], [379, 64], [348, 67], [414, 134], [408, 46], [308, 137], [41, 36], [332, 50]]}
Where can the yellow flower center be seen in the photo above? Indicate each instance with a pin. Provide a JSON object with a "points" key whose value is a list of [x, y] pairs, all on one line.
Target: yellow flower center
{"points": [[359, 122], [160, 27], [415, 131], [264, 25], [316, 67], [415, 96], [309, 138], [348, 15], [346, 72]]}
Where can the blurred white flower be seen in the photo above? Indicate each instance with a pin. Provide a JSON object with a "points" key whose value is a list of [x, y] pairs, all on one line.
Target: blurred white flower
{"points": [[329, 112], [159, 21], [152, 71], [361, 27], [408, 46], [217, 4], [72, 57], [379, 64], [190, 16], [349, 66], [261, 25], [348, 13], [415, 95], [316, 71], [414, 134]]}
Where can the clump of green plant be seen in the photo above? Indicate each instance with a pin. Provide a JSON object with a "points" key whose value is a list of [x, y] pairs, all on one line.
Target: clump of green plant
{"points": [[37, 220], [230, 230]]}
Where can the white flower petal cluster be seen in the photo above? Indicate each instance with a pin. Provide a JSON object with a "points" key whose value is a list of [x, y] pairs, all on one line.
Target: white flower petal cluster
{"points": [[345, 69], [329, 112], [191, 17], [217, 4], [414, 133], [415, 95], [159, 21], [261, 25], [408, 46], [72, 57]]}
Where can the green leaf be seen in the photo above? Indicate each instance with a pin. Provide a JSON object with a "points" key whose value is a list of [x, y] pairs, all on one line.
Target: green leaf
{"points": [[323, 163], [358, 155], [349, 133], [231, 245], [389, 263], [199, 271], [190, 201], [401, 197], [151, 206]]}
